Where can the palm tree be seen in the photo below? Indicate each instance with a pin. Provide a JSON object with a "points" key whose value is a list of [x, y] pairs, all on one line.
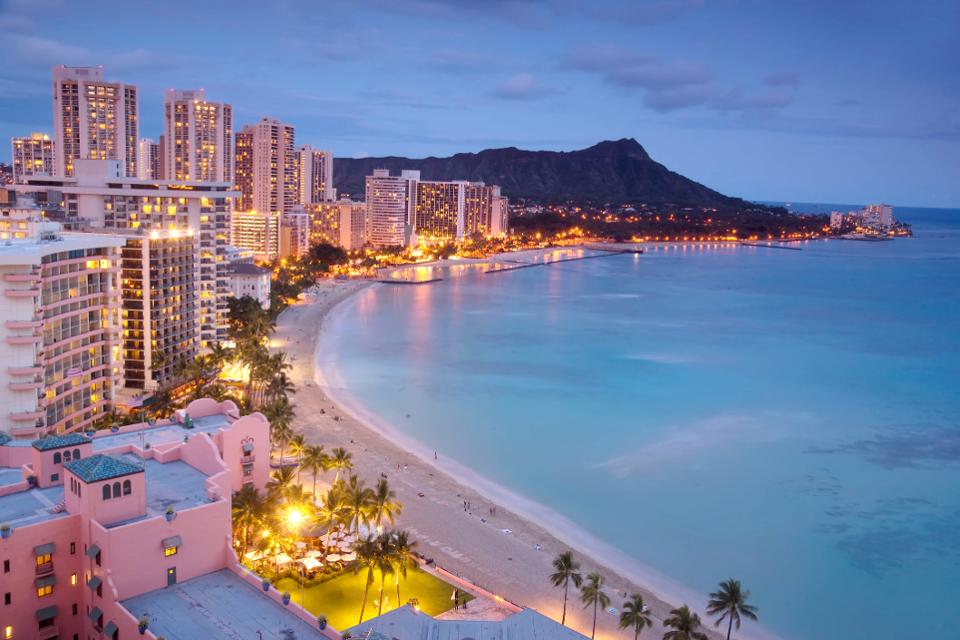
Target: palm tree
{"points": [[248, 508], [635, 615], [297, 445], [567, 571], [684, 624], [386, 564], [370, 557], [314, 461], [281, 483], [384, 505], [731, 602], [404, 557], [341, 460], [357, 499], [592, 594]]}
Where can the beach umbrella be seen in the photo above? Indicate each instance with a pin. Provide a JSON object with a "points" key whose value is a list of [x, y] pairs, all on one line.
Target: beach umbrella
{"points": [[333, 557], [313, 553], [349, 557], [282, 558], [310, 563]]}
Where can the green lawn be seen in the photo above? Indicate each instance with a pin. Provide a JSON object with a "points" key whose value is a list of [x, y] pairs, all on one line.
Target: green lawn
{"points": [[339, 599]]}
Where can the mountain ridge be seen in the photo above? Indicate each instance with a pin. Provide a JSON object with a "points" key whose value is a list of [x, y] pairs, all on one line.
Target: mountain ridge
{"points": [[609, 171]]}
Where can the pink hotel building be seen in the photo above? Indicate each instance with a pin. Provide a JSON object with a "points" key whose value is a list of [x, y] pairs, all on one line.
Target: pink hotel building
{"points": [[102, 530]]}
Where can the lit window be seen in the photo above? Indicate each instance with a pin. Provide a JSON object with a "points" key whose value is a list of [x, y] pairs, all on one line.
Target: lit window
{"points": [[170, 551], [73, 579], [45, 590], [44, 559], [8, 631]]}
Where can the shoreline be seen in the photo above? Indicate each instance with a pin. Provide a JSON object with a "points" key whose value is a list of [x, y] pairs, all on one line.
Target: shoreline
{"points": [[514, 565]]}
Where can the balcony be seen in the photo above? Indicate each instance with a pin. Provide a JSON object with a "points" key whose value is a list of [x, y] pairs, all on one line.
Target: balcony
{"points": [[28, 339], [45, 569], [27, 416], [34, 370], [22, 293], [47, 633], [24, 324], [36, 383], [33, 278]]}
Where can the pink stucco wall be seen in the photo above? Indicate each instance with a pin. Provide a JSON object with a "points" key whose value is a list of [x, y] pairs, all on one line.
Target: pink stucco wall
{"points": [[90, 503], [44, 467]]}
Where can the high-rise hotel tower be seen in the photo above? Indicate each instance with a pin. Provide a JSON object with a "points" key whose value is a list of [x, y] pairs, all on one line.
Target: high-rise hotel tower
{"points": [[94, 119], [198, 136]]}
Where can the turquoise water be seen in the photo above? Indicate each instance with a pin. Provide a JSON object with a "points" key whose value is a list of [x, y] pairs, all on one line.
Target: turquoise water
{"points": [[788, 418]]}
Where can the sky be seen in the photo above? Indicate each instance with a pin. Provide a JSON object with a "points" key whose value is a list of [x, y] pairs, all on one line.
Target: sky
{"points": [[844, 101]]}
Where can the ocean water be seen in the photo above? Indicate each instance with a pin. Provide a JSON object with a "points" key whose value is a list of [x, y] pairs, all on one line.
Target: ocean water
{"points": [[788, 418]]}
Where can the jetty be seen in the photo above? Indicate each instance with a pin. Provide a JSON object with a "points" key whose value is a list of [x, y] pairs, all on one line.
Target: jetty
{"points": [[767, 245], [605, 253], [401, 281]]}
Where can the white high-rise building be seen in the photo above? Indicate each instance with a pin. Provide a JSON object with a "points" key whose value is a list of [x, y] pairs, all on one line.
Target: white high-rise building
{"points": [[353, 224], [316, 176], [256, 232], [294, 234], [266, 167], [32, 155], [94, 120], [390, 204], [99, 197], [198, 136], [150, 168], [878, 215]]}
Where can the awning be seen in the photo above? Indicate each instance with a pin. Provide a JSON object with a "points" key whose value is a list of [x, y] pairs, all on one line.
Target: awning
{"points": [[92, 551], [172, 541], [95, 614], [46, 581], [110, 629], [47, 613], [43, 549], [94, 582]]}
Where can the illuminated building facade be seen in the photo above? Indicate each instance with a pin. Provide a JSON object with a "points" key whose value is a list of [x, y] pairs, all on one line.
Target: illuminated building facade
{"points": [[32, 156], [151, 167], [439, 211], [353, 224], [99, 197], [160, 311], [266, 166], [316, 176], [94, 119], [247, 279], [198, 136], [60, 326], [324, 222], [294, 234], [390, 203], [257, 232]]}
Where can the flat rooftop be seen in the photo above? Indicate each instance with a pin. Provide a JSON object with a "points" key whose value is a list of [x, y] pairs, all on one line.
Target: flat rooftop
{"points": [[10, 475], [160, 434], [174, 484], [218, 605], [406, 622], [30, 507]]}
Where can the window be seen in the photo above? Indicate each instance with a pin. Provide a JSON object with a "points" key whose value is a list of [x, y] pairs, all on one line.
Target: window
{"points": [[8, 631], [106, 492], [76, 454], [170, 551], [75, 608], [73, 579], [54, 477], [127, 487], [6, 566], [57, 458], [7, 598], [73, 548], [45, 590], [116, 489], [43, 559], [66, 456]]}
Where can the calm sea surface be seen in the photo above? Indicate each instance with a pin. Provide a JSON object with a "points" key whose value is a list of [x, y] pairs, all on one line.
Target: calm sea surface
{"points": [[789, 418]]}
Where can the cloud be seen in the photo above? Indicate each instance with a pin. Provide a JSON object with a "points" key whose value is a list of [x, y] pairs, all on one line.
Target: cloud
{"points": [[37, 51], [523, 86], [670, 85], [782, 78]]}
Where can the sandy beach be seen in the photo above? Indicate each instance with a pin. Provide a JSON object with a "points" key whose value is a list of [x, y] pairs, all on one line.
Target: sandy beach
{"points": [[509, 553]]}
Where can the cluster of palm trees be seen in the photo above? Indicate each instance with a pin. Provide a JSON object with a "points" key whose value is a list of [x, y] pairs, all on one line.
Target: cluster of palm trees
{"points": [[386, 553], [729, 603]]}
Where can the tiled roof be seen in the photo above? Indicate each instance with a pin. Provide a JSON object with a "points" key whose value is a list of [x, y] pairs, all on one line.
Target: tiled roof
{"points": [[56, 442], [101, 467]]}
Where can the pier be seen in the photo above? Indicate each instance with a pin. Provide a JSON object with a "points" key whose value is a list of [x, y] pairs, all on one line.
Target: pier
{"points": [[605, 253], [399, 281], [766, 245]]}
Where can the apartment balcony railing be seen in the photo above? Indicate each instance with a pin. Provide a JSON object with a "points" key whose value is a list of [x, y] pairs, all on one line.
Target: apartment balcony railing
{"points": [[34, 338], [27, 416], [21, 293], [24, 324], [22, 277], [45, 569], [36, 383], [29, 370]]}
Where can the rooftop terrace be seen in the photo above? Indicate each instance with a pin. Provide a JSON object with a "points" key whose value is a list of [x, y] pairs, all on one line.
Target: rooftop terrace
{"points": [[161, 434], [217, 606], [174, 484], [10, 475], [30, 507], [406, 622]]}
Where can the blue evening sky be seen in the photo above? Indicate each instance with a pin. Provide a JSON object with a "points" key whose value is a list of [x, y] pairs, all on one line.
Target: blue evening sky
{"points": [[817, 100]]}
